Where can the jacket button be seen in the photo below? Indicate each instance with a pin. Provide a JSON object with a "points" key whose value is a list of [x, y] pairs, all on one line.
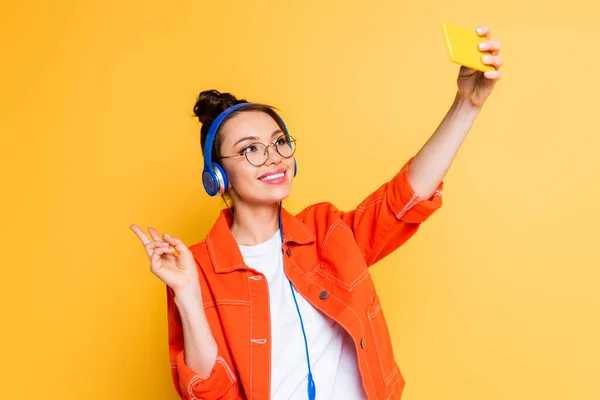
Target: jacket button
{"points": [[323, 295], [362, 343], [288, 251]]}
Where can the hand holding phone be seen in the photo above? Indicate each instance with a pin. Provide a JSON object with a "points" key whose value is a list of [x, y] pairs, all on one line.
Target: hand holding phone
{"points": [[462, 47]]}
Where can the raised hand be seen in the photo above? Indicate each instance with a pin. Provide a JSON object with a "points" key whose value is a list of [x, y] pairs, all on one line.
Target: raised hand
{"points": [[476, 86], [170, 260]]}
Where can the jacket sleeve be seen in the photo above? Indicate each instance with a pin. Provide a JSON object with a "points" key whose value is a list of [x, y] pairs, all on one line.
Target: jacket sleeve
{"points": [[222, 382], [388, 217]]}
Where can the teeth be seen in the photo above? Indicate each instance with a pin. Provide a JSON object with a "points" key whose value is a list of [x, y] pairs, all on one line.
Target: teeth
{"points": [[275, 176]]}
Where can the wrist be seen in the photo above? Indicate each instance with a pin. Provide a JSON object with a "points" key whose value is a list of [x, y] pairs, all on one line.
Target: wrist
{"points": [[464, 105], [188, 298]]}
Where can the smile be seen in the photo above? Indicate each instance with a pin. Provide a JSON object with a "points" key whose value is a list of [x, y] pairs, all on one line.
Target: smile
{"points": [[272, 177]]}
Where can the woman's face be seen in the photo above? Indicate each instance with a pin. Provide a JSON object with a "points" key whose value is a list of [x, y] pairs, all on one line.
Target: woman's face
{"points": [[255, 185]]}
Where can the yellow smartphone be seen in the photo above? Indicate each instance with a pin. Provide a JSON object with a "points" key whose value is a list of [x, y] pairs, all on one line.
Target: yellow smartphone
{"points": [[462, 47]]}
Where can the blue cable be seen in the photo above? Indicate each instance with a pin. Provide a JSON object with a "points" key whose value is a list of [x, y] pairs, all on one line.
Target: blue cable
{"points": [[312, 389]]}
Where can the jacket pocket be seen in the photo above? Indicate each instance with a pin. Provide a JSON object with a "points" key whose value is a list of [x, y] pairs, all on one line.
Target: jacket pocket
{"points": [[382, 340]]}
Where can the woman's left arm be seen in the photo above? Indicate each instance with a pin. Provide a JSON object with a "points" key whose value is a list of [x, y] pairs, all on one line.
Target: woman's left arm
{"points": [[432, 162]]}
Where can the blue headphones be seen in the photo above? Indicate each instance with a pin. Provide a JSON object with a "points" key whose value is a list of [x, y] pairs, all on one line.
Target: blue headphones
{"points": [[214, 177]]}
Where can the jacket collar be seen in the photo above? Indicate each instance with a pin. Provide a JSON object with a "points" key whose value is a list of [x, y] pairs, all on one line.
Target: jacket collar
{"points": [[224, 251]]}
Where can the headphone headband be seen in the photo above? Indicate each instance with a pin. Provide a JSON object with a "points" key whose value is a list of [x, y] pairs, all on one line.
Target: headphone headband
{"points": [[214, 127]]}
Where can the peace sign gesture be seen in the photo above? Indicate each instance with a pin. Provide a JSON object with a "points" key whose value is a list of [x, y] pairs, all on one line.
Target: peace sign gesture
{"points": [[170, 260]]}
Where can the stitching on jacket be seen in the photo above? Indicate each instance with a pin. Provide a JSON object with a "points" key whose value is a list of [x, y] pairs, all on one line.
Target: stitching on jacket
{"points": [[368, 250], [190, 391], [214, 259], [375, 340], [414, 200], [210, 304], [394, 383], [250, 297], [211, 252], [345, 226], [234, 267], [371, 316], [293, 238], [197, 378], [227, 369], [345, 285], [374, 313], [369, 204], [303, 227], [314, 270], [392, 375], [329, 232]]}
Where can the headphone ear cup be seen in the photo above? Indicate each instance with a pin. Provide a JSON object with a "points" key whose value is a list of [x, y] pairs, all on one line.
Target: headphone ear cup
{"points": [[214, 180], [210, 182], [221, 176]]}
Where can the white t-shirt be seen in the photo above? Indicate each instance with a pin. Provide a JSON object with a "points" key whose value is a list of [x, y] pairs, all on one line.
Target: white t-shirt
{"points": [[332, 353]]}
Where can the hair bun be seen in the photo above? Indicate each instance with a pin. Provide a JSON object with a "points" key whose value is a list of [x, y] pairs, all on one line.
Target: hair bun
{"points": [[211, 103]]}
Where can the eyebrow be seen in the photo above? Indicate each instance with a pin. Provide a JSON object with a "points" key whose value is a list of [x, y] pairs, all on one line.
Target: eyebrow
{"points": [[278, 131]]}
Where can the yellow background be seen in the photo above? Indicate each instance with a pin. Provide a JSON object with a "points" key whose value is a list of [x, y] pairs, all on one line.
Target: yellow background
{"points": [[495, 298]]}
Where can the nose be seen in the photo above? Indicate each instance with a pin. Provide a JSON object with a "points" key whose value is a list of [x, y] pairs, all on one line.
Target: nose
{"points": [[273, 156]]}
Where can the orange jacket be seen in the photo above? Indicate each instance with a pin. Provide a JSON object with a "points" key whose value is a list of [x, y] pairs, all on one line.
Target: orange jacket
{"points": [[327, 255]]}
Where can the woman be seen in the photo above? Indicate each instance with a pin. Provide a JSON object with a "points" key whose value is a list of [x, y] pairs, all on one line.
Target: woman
{"points": [[274, 305]]}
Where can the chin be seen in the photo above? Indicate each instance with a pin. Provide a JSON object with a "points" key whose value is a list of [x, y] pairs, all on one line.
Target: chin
{"points": [[275, 196], [279, 195], [261, 195]]}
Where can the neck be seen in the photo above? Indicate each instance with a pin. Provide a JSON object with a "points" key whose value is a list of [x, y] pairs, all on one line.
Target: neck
{"points": [[255, 225]]}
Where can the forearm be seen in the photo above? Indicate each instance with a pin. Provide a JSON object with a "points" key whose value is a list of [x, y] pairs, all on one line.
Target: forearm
{"points": [[432, 162], [200, 348]]}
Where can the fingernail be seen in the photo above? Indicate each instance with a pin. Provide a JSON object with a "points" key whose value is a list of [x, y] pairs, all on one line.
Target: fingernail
{"points": [[481, 45], [167, 235], [486, 58], [479, 30], [166, 243]]}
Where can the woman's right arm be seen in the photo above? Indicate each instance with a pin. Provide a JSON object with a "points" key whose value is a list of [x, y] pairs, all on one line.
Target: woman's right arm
{"points": [[197, 367], [200, 347]]}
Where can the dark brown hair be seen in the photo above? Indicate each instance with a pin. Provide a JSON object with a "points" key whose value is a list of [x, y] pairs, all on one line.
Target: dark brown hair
{"points": [[211, 103]]}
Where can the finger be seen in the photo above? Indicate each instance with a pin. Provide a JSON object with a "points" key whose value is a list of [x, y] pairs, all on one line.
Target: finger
{"points": [[156, 256], [155, 235], [155, 245], [178, 244], [140, 234], [492, 75], [483, 31], [493, 46], [495, 61]]}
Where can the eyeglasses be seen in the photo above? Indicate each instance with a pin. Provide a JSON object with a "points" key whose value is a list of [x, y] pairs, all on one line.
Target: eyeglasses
{"points": [[258, 153]]}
